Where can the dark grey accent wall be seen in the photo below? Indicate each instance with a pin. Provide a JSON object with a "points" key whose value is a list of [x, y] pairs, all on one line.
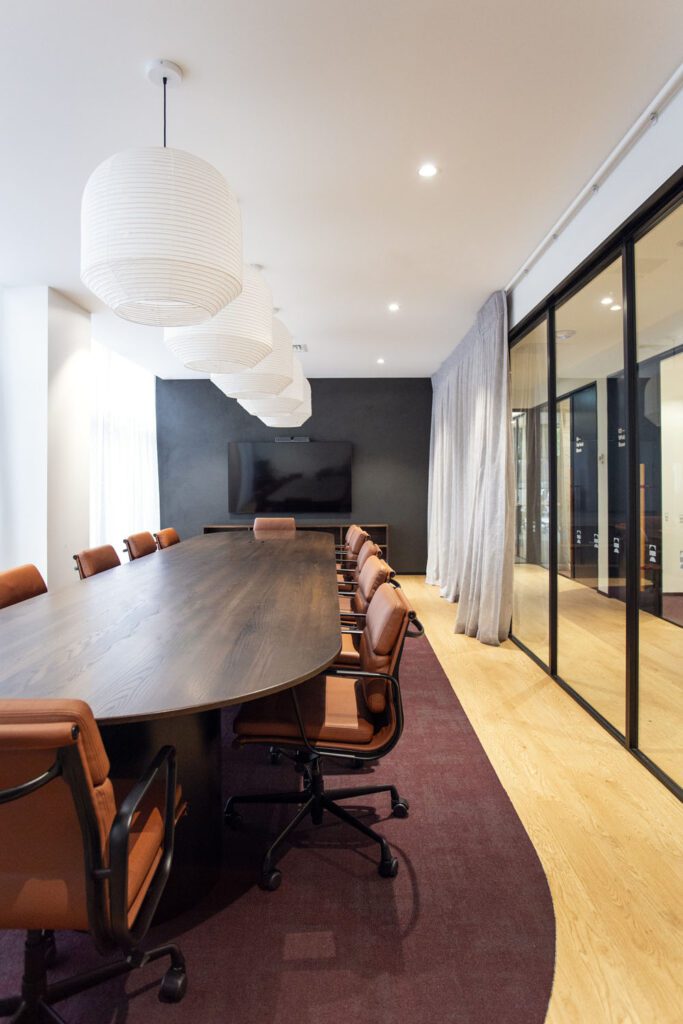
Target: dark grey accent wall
{"points": [[387, 421]]}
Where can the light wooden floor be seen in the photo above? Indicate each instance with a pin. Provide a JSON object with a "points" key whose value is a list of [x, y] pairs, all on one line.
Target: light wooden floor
{"points": [[592, 658], [608, 834]]}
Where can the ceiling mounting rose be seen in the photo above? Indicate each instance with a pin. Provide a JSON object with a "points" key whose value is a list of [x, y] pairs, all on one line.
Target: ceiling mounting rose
{"points": [[157, 70]]}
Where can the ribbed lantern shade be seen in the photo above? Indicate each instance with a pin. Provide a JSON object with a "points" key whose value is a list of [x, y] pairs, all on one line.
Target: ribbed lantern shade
{"points": [[269, 377], [292, 419], [238, 338], [161, 237], [287, 401]]}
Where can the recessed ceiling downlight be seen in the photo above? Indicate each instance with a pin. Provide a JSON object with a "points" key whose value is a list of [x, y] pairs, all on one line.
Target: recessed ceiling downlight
{"points": [[428, 170], [393, 307], [564, 335], [380, 361], [615, 307], [607, 301]]}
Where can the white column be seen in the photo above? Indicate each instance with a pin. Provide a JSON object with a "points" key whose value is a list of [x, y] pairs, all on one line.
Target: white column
{"points": [[68, 459], [44, 431], [23, 427]]}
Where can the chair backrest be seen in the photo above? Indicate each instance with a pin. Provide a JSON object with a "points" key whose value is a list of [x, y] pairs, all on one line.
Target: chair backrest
{"points": [[95, 560], [349, 533], [374, 573], [369, 548], [274, 529], [167, 538], [19, 584], [358, 539], [140, 544], [43, 878], [381, 642]]}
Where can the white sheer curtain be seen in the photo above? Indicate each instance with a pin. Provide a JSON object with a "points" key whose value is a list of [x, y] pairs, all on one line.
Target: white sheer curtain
{"points": [[471, 479], [124, 476]]}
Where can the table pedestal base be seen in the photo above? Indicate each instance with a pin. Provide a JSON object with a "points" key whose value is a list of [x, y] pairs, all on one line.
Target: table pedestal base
{"points": [[198, 839]]}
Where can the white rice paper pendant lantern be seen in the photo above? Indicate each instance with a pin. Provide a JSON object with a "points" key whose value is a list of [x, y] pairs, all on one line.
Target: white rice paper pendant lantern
{"points": [[269, 377], [161, 237], [287, 401], [236, 339], [292, 419]]}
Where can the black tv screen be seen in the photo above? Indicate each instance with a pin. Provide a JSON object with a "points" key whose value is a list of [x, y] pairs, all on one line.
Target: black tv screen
{"points": [[289, 476]]}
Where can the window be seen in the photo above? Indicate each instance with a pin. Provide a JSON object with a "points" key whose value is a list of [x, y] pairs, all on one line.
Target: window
{"points": [[124, 478]]}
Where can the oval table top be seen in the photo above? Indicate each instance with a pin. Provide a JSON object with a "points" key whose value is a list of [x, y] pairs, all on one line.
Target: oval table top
{"points": [[215, 620]]}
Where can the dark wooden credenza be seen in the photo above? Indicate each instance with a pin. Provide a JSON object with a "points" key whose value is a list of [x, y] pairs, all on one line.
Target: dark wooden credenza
{"points": [[378, 531]]}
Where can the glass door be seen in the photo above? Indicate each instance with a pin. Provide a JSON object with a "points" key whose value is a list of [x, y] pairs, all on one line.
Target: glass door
{"points": [[659, 337], [591, 500], [529, 393]]}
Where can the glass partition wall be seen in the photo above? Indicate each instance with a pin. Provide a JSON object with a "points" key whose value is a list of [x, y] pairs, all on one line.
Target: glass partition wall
{"points": [[658, 259], [598, 575], [529, 394]]}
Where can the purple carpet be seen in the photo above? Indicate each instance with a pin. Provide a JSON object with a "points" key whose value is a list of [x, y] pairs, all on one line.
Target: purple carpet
{"points": [[464, 934]]}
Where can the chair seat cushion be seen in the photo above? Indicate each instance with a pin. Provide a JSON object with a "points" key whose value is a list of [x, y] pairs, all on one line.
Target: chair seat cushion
{"points": [[349, 657], [332, 708]]}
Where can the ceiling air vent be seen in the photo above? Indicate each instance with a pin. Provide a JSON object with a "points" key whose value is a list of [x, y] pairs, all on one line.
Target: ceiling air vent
{"points": [[299, 348]]}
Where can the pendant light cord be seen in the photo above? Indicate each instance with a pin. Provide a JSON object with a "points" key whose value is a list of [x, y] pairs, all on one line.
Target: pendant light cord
{"points": [[165, 81]]}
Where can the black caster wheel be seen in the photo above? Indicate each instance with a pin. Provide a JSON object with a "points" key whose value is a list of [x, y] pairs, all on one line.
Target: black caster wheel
{"points": [[271, 880], [400, 809], [233, 819], [274, 756], [388, 868], [173, 985]]}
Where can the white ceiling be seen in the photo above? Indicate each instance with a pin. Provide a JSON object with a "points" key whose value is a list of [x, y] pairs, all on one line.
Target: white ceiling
{"points": [[319, 113]]}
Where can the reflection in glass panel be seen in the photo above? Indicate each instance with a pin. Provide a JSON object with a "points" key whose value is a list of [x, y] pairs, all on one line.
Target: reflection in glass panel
{"points": [[529, 391], [591, 505], [659, 320]]}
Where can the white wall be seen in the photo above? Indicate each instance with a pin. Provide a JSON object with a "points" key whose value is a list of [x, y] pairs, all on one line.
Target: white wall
{"points": [[657, 155], [23, 427], [44, 431], [69, 412]]}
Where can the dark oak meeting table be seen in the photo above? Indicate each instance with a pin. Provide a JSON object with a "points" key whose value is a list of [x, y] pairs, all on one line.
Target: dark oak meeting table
{"points": [[158, 646]]}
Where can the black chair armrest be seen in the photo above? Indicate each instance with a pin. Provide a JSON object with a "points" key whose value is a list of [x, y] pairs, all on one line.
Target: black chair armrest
{"points": [[119, 836], [415, 628], [357, 755], [31, 785]]}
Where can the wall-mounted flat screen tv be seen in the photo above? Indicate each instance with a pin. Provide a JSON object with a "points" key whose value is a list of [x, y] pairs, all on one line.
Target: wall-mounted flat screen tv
{"points": [[289, 476]]}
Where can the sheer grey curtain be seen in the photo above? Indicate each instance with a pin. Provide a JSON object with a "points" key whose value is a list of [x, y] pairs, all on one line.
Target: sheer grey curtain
{"points": [[471, 479]]}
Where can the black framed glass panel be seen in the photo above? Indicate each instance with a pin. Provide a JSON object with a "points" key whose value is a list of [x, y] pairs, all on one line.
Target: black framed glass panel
{"points": [[592, 494], [529, 400], [659, 340]]}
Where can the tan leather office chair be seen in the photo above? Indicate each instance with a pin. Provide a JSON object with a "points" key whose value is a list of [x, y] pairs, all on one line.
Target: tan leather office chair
{"points": [[347, 578], [350, 715], [140, 544], [375, 571], [95, 560], [20, 584], [167, 538], [274, 529], [78, 852], [347, 555]]}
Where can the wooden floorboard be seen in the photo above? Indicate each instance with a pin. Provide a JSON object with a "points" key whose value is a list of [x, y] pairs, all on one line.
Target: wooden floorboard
{"points": [[608, 834]]}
